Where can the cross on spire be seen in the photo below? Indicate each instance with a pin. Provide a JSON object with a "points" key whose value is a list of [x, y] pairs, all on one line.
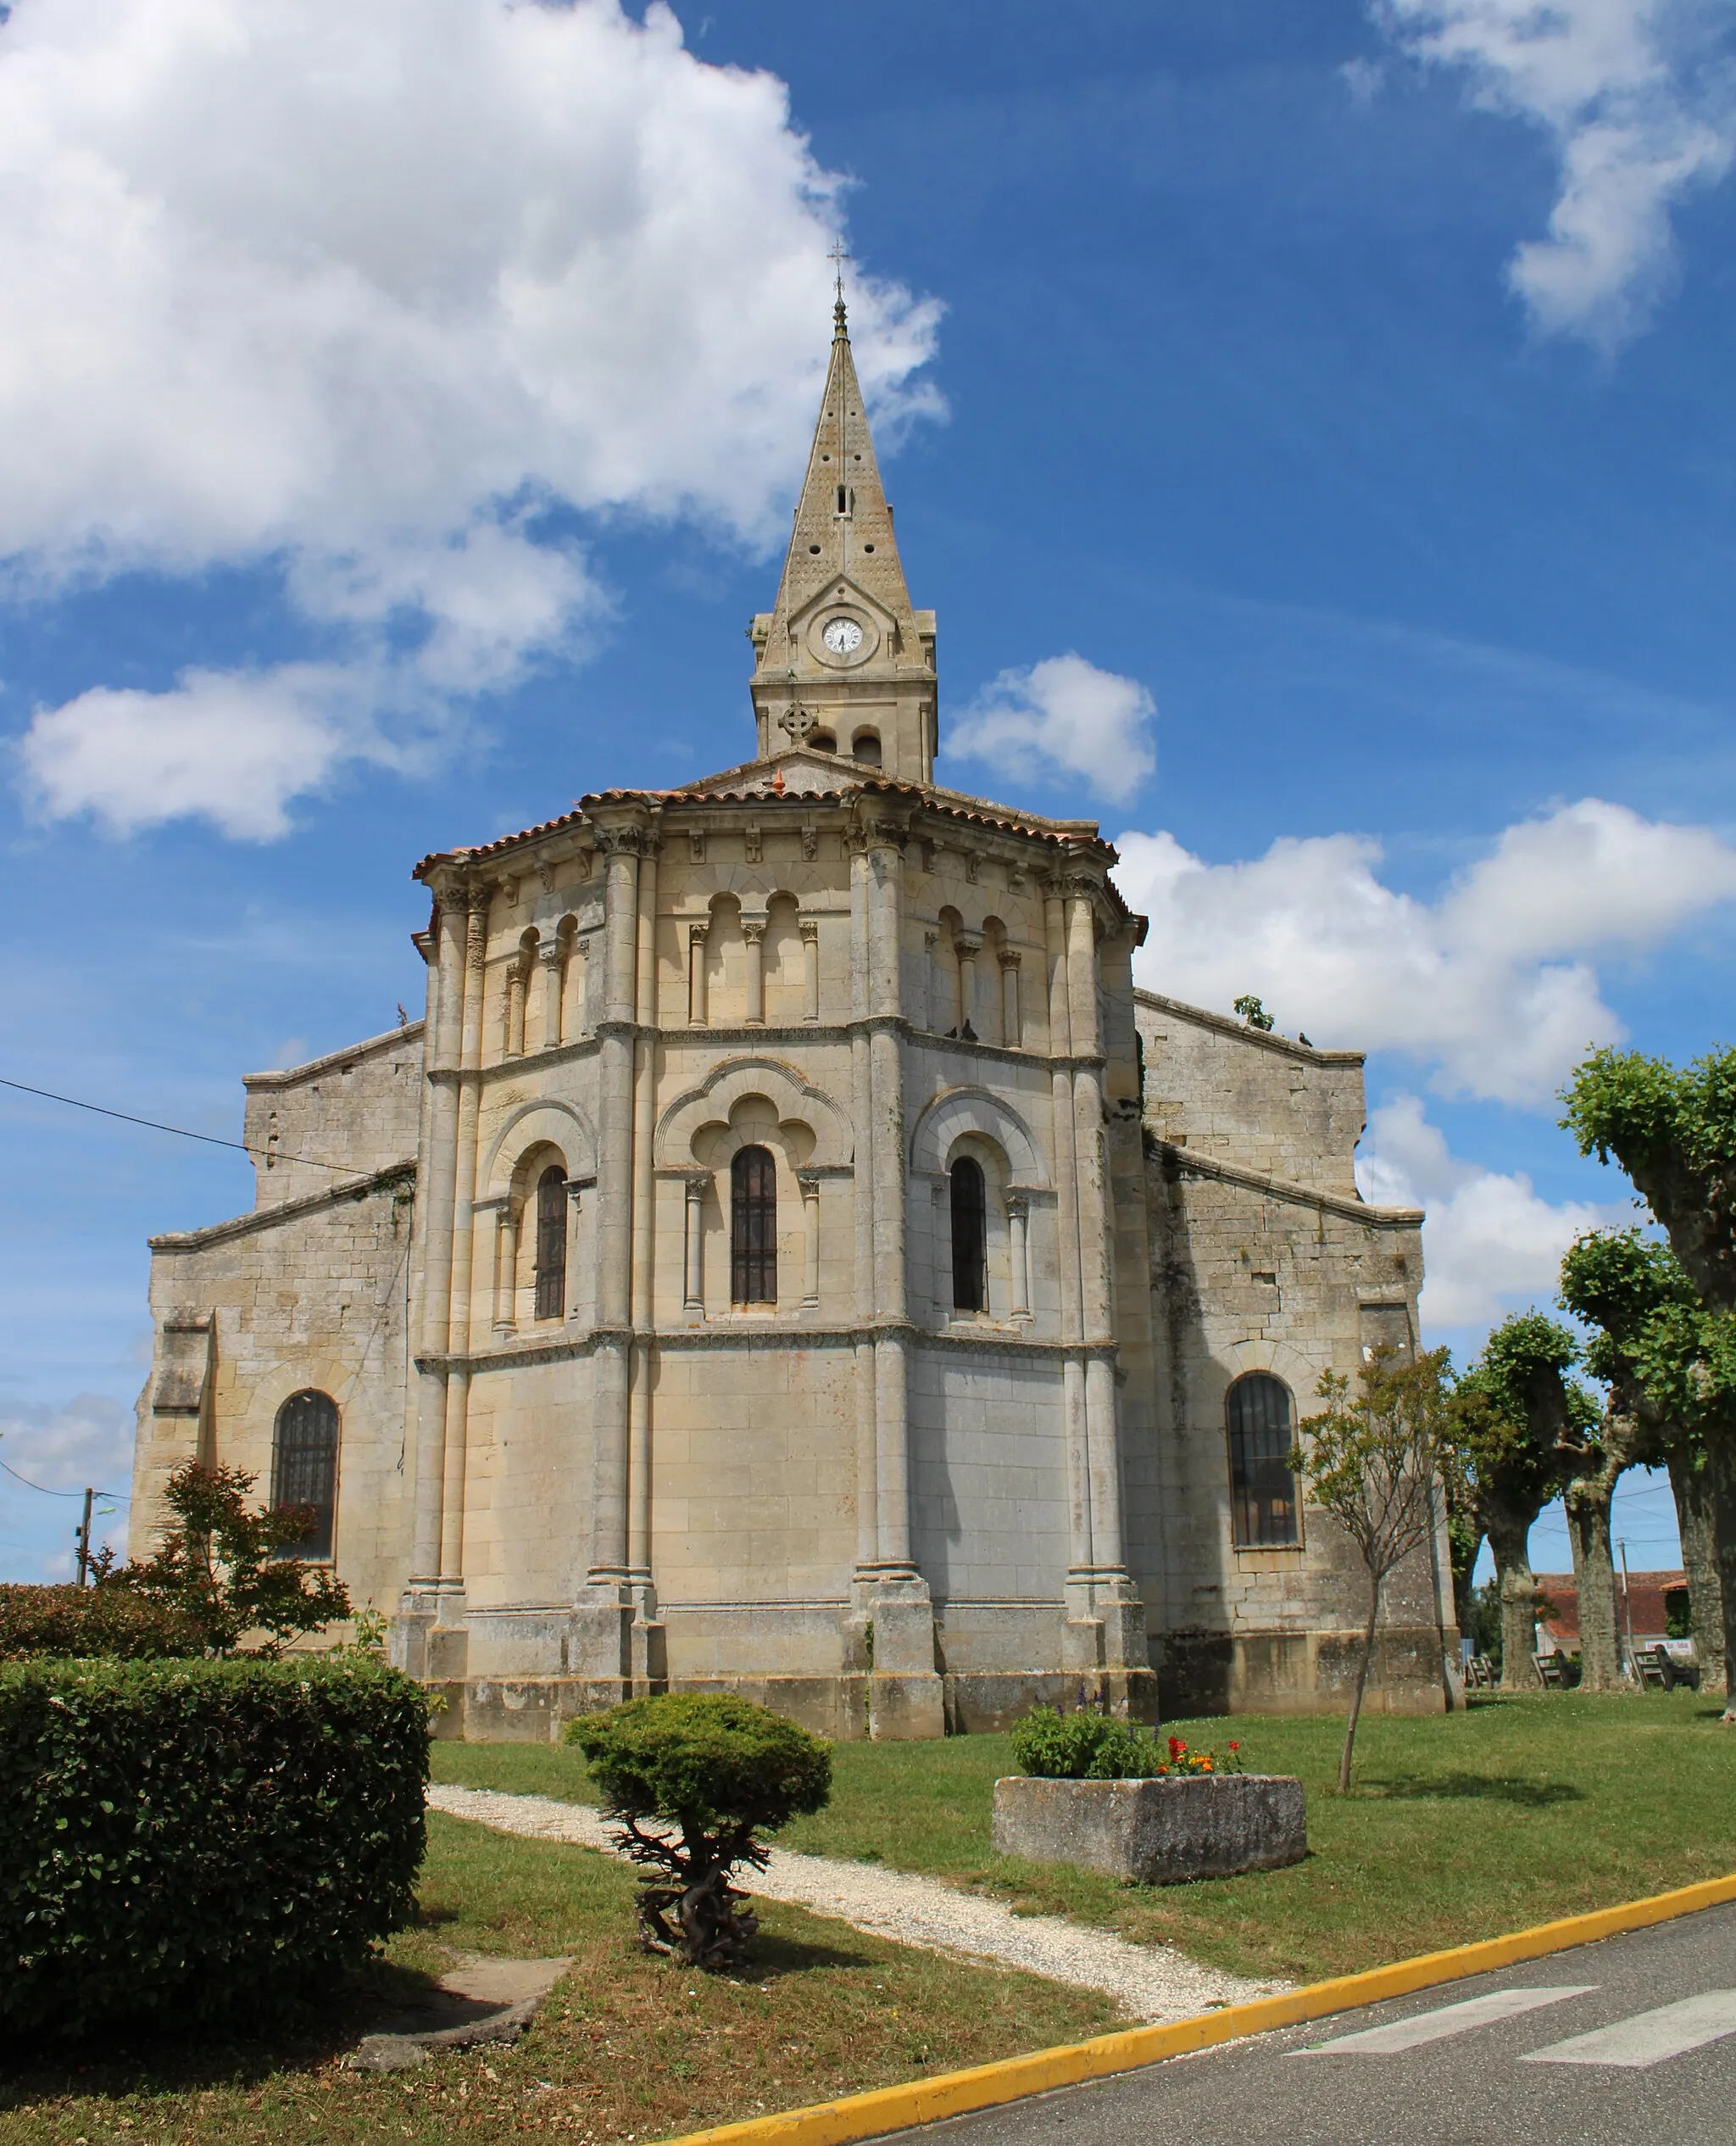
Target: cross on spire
{"points": [[838, 255]]}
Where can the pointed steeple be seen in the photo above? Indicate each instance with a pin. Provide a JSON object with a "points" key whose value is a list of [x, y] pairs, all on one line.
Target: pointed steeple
{"points": [[873, 681]]}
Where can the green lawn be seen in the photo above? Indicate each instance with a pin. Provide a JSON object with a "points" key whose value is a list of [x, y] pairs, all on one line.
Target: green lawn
{"points": [[1512, 1813], [626, 2047]]}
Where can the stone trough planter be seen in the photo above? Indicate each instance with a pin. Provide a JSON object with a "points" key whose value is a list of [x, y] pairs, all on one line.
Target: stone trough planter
{"points": [[1157, 1832]]}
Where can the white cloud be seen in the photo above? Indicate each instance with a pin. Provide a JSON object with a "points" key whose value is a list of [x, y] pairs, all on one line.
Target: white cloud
{"points": [[1064, 714], [1490, 1245], [88, 1440], [365, 291], [1490, 982], [1640, 108]]}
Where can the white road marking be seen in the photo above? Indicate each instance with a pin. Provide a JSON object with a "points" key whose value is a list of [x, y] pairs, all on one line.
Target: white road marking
{"points": [[1648, 2036], [1449, 2019]]}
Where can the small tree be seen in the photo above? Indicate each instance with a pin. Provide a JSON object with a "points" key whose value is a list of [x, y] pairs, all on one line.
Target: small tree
{"points": [[1253, 1012], [224, 1567], [719, 1770], [1369, 1460]]}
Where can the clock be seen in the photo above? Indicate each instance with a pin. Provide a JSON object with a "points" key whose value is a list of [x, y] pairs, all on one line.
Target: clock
{"points": [[843, 636]]}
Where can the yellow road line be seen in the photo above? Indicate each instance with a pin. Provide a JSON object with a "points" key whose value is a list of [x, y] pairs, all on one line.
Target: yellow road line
{"points": [[987, 2086]]}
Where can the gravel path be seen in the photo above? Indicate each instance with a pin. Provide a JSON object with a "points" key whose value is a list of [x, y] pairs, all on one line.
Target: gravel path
{"points": [[1150, 1981]]}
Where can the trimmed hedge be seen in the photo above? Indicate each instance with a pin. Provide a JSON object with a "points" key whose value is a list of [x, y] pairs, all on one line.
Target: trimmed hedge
{"points": [[113, 1621], [191, 1840]]}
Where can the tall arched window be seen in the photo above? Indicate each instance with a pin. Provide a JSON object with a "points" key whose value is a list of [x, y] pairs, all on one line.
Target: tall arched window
{"points": [[551, 1243], [970, 1236], [304, 1468], [753, 1228], [1266, 1514]]}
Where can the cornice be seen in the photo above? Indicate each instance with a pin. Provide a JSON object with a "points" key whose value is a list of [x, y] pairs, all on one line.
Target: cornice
{"points": [[1185, 1162], [245, 1225]]}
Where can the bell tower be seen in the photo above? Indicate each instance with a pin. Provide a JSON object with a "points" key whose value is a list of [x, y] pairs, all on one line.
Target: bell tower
{"points": [[842, 662]]}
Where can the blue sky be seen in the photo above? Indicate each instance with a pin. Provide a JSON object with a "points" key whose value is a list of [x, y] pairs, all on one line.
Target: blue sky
{"points": [[402, 408]]}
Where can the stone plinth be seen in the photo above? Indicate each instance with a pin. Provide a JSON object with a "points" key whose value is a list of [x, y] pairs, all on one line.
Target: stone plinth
{"points": [[1157, 1832]]}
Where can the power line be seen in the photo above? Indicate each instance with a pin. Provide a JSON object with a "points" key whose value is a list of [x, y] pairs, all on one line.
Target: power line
{"points": [[343, 1169], [46, 1492]]}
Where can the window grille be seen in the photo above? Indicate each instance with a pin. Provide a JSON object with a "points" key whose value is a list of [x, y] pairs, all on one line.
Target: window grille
{"points": [[1265, 1513], [551, 1243], [970, 1236], [753, 1242], [304, 1468]]}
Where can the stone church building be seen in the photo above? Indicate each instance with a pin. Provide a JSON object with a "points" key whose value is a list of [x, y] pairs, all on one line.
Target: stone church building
{"points": [[791, 1256]]}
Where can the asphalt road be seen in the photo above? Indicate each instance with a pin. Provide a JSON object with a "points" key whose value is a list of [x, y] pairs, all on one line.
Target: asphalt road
{"points": [[1629, 2043]]}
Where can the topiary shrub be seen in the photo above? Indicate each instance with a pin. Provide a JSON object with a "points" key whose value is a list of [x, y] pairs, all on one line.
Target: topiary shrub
{"points": [[114, 1621], [719, 1770], [186, 1840]]}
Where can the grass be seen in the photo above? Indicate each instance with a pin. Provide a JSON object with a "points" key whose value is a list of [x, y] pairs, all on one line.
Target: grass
{"points": [[628, 2047], [1512, 1813]]}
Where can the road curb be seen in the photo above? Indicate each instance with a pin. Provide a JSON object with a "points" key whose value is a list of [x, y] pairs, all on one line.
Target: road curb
{"points": [[988, 2085]]}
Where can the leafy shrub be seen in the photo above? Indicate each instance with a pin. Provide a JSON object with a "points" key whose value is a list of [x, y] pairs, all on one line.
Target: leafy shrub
{"points": [[224, 1567], [184, 1840], [107, 1620], [719, 1770], [1083, 1746], [1094, 1747]]}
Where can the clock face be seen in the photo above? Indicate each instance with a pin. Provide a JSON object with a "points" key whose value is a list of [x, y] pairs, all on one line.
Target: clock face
{"points": [[843, 636]]}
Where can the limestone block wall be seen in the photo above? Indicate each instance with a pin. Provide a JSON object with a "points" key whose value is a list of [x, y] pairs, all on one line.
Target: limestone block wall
{"points": [[527, 1488], [1263, 1101], [988, 1485], [308, 1294], [1246, 1275], [356, 1106]]}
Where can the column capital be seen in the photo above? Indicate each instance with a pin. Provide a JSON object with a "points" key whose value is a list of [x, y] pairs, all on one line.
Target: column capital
{"points": [[549, 951], [1018, 1203], [808, 928], [697, 933], [967, 944], [698, 1183], [753, 929], [1009, 957]]}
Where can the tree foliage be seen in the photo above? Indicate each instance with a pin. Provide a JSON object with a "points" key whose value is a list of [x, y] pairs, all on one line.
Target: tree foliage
{"points": [[1370, 1459], [718, 1770], [1522, 1430], [222, 1565], [1674, 1130]]}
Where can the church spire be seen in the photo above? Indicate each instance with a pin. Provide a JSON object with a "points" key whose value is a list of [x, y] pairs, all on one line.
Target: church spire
{"points": [[843, 579]]}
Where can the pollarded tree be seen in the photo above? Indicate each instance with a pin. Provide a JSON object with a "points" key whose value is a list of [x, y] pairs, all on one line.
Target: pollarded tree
{"points": [[1674, 1130], [1630, 1287], [1522, 1433], [1370, 1459]]}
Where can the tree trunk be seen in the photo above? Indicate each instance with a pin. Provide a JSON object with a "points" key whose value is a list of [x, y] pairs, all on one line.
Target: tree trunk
{"points": [[1690, 1482], [1720, 1472], [1452, 1684], [1588, 1503], [1509, 1541], [1361, 1684]]}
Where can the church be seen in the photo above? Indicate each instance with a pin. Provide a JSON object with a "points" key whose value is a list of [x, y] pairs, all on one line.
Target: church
{"points": [[791, 1257]]}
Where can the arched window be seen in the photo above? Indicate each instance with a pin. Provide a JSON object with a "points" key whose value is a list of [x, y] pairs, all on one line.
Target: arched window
{"points": [[753, 1228], [551, 1243], [304, 1468], [1263, 1501], [865, 749], [970, 1236]]}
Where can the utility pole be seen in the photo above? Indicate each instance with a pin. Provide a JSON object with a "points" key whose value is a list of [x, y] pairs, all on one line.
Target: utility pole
{"points": [[1627, 1603], [81, 1535]]}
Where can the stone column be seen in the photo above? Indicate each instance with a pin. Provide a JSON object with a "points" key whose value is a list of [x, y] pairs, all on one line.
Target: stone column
{"points": [[810, 1184], [439, 1164], [697, 937], [967, 945], [753, 931], [693, 1242], [644, 1237], [1011, 1031], [460, 1336], [506, 1264], [926, 1015], [862, 1215], [811, 967], [512, 1011], [575, 1203], [551, 954], [1019, 1253], [1061, 1045]]}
